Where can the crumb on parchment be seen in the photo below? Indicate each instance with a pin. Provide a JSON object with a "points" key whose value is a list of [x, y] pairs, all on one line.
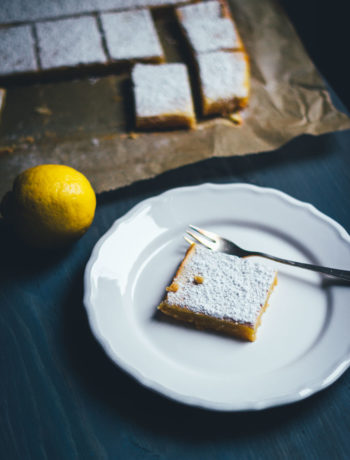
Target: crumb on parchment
{"points": [[43, 111]]}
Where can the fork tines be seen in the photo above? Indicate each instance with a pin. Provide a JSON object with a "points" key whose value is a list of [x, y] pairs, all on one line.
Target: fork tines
{"points": [[202, 236], [211, 236]]}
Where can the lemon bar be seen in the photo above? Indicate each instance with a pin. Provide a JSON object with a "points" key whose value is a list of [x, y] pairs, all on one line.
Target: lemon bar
{"points": [[221, 292], [162, 96], [209, 27], [17, 50], [69, 42], [224, 79], [130, 4], [132, 36]]}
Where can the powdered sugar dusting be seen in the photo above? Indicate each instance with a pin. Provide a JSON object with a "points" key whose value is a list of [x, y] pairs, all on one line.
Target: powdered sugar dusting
{"points": [[16, 50], [69, 42], [232, 288], [201, 11], [131, 35], [128, 4], [206, 29], [162, 90], [223, 75]]}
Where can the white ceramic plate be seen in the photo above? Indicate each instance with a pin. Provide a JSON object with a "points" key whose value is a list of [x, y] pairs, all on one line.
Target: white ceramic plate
{"points": [[303, 344]]}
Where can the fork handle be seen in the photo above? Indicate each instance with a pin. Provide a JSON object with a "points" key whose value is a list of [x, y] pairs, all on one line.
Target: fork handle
{"points": [[343, 274]]}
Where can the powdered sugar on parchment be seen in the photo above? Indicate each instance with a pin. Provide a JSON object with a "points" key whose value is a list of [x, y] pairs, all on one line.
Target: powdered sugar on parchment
{"points": [[162, 89], [206, 29], [223, 75], [131, 35]]}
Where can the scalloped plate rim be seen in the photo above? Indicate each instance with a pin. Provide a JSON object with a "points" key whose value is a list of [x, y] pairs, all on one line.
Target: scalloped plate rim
{"points": [[333, 374]]}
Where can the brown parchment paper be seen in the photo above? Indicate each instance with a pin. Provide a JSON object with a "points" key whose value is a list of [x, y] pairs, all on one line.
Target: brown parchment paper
{"points": [[87, 123]]}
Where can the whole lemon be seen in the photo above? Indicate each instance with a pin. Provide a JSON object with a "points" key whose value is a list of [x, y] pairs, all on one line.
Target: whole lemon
{"points": [[50, 205]]}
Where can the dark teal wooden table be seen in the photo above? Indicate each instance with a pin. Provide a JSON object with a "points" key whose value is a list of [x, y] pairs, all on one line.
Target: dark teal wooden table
{"points": [[60, 396]]}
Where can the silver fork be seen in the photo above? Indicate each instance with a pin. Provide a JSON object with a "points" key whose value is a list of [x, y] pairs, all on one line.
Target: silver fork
{"points": [[217, 243]]}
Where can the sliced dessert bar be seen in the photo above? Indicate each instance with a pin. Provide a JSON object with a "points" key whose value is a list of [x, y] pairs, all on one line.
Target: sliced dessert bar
{"points": [[131, 4], [224, 79], [69, 43], [209, 27], [132, 36], [17, 50], [162, 96], [218, 291]]}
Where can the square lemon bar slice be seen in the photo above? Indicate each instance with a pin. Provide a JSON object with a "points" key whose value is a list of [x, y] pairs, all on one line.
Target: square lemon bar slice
{"points": [[209, 26], [221, 292], [224, 78], [163, 96], [132, 36]]}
